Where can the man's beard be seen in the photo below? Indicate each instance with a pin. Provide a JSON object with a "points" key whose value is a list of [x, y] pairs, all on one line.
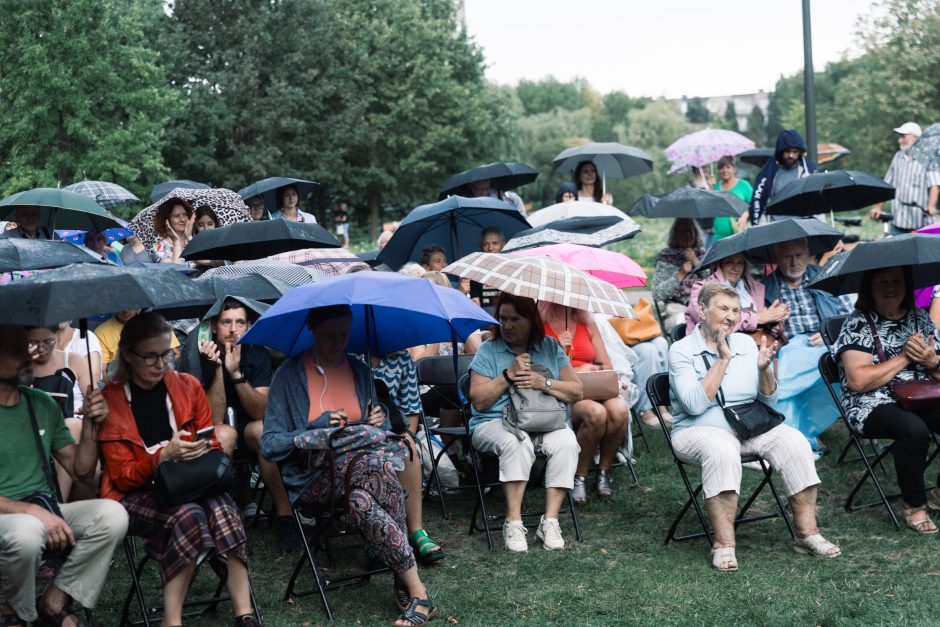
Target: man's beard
{"points": [[906, 149], [23, 378], [792, 277]]}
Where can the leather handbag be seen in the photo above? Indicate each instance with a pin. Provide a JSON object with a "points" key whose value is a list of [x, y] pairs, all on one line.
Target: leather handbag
{"points": [[533, 411], [913, 396], [600, 385], [184, 481], [643, 329], [751, 419]]}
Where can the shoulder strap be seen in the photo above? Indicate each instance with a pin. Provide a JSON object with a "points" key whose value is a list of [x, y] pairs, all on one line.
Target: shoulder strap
{"points": [[46, 467], [720, 396], [874, 335]]}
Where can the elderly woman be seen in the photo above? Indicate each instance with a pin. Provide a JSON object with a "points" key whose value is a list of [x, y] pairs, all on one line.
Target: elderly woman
{"points": [[673, 277], [597, 423], [714, 359], [735, 272], [888, 339], [155, 413], [173, 221], [322, 389], [519, 341]]}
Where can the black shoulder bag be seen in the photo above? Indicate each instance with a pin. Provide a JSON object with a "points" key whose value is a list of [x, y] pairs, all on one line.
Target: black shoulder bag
{"points": [[48, 502], [748, 419]]}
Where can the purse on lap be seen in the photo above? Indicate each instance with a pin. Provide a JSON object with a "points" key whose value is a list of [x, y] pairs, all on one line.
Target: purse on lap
{"points": [[911, 395], [533, 410], [184, 481], [600, 385], [748, 419]]}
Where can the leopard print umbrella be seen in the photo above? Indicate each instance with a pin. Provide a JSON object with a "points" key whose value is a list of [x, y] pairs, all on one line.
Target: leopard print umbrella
{"points": [[227, 205]]}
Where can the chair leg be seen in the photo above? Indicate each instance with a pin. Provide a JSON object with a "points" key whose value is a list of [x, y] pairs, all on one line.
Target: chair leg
{"points": [[480, 506], [641, 431], [574, 517], [780, 505], [870, 473], [434, 461], [308, 556], [135, 586]]}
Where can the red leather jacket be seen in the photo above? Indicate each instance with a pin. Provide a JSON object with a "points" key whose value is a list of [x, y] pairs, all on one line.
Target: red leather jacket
{"points": [[126, 464]]}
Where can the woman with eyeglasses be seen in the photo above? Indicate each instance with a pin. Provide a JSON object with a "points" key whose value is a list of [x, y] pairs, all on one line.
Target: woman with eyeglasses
{"points": [[155, 413]]}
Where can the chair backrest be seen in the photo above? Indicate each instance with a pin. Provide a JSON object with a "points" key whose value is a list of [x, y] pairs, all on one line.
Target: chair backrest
{"points": [[440, 370], [829, 371], [657, 388], [677, 332], [830, 330], [464, 385]]}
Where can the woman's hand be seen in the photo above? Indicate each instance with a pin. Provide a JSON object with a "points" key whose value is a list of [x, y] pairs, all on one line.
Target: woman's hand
{"points": [[338, 418], [188, 229], [566, 339], [529, 380], [521, 364], [724, 351], [766, 354], [183, 450], [917, 351], [691, 257], [376, 416]]}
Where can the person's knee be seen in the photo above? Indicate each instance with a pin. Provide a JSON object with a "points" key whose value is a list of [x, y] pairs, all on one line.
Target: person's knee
{"points": [[112, 518], [227, 437], [253, 431], [590, 415], [912, 429], [26, 539]]}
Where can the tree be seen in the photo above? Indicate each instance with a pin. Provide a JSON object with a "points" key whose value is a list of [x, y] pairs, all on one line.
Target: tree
{"points": [[731, 117], [549, 94], [83, 94], [697, 113], [755, 126]]}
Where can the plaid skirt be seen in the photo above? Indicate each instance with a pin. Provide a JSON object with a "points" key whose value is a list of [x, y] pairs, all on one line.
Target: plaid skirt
{"points": [[176, 536]]}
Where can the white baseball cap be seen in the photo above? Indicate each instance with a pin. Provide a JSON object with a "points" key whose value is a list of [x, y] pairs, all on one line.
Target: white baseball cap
{"points": [[909, 128]]}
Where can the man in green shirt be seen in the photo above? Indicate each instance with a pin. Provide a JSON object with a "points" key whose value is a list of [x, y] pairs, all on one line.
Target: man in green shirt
{"points": [[88, 530]]}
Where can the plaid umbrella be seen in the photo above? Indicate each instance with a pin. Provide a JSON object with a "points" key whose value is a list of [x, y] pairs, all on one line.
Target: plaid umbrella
{"points": [[543, 278], [331, 261], [108, 195], [288, 273], [227, 205], [707, 146], [586, 231], [927, 148]]}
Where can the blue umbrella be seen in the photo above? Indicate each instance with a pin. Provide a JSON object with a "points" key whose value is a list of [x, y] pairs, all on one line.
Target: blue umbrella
{"points": [[455, 224], [267, 189], [110, 235], [401, 311], [162, 189]]}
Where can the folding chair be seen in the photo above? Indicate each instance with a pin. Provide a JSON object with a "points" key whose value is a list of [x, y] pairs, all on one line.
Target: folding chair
{"points": [[640, 429], [154, 614], [490, 466], [677, 332], [657, 387], [658, 309]]}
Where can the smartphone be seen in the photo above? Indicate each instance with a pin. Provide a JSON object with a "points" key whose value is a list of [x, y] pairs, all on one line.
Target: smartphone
{"points": [[205, 434]]}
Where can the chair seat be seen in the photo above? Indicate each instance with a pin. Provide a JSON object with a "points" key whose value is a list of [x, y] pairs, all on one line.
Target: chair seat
{"points": [[449, 431], [750, 457]]}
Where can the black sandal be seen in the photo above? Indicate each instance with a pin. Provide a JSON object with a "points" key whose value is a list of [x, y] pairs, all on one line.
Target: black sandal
{"points": [[402, 598], [412, 616], [58, 619]]}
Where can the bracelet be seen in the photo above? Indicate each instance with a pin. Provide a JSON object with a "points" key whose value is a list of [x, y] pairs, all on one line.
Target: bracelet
{"points": [[935, 367], [506, 376]]}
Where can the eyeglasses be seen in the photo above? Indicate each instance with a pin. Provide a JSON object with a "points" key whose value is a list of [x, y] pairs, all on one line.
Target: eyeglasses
{"points": [[152, 359], [237, 323], [44, 343]]}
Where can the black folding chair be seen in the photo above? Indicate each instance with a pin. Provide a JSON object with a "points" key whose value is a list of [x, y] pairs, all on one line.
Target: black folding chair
{"points": [[657, 388], [490, 472], [677, 332], [640, 430]]}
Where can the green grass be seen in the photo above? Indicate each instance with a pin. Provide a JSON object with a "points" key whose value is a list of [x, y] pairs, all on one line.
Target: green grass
{"points": [[622, 574]]}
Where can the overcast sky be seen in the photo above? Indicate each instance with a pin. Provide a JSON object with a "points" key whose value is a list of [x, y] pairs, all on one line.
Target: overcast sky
{"points": [[656, 48]]}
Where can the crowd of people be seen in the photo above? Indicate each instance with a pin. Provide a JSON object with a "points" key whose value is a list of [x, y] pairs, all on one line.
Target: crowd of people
{"points": [[114, 410]]}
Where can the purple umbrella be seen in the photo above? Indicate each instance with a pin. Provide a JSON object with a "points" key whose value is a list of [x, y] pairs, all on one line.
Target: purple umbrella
{"points": [[923, 296], [707, 146]]}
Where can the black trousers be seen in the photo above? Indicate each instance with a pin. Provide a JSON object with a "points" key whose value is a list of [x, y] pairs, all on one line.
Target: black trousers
{"points": [[911, 435]]}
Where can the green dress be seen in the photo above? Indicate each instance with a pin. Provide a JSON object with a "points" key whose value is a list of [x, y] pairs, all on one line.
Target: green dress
{"points": [[723, 227]]}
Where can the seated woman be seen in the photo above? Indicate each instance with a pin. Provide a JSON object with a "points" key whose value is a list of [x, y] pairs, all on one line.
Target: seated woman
{"points": [[154, 415], [205, 219], [908, 352], [506, 360], [597, 423], [673, 277], [324, 388], [589, 187], [701, 435], [173, 221], [735, 271]]}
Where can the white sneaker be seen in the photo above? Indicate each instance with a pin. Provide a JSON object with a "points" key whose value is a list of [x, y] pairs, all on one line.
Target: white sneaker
{"points": [[514, 537], [549, 532]]}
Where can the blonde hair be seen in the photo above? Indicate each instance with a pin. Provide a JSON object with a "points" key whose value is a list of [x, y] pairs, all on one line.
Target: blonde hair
{"points": [[437, 278], [412, 269]]}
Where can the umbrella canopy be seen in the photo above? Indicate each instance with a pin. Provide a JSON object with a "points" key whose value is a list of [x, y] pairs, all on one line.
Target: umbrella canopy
{"points": [[331, 261], [575, 209], [250, 304], [288, 273], [826, 154], [923, 297], [606, 265], [610, 158], [842, 274], [254, 286], [927, 148], [108, 195], [502, 176], [586, 231], [267, 189], [60, 209], [759, 242], [35, 254], [690, 202], [110, 235], [390, 312], [707, 146], [84, 290], [455, 224], [543, 278], [255, 240], [757, 156], [822, 192], [228, 207], [162, 189]]}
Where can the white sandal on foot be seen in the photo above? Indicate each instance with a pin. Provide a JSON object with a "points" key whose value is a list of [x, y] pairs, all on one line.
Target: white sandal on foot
{"points": [[817, 546], [724, 555]]}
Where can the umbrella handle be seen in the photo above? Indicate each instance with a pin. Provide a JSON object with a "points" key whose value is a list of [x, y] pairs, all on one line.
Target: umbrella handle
{"points": [[83, 333]]}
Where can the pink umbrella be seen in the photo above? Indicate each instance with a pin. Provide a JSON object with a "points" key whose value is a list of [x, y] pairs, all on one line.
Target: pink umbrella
{"points": [[923, 296], [707, 146], [607, 265]]}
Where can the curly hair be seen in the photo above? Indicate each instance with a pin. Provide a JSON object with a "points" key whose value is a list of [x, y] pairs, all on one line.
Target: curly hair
{"points": [[163, 212]]}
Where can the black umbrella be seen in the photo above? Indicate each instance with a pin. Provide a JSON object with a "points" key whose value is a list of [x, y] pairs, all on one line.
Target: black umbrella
{"points": [[162, 189], [824, 192], [690, 202], [34, 254], [593, 231], [842, 274], [255, 240], [267, 190], [759, 242], [502, 176], [756, 156], [253, 286]]}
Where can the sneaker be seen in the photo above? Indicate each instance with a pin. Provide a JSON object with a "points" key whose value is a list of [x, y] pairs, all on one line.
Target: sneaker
{"points": [[514, 537], [549, 532], [605, 485], [251, 510], [248, 620], [288, 537], [579, 491]]}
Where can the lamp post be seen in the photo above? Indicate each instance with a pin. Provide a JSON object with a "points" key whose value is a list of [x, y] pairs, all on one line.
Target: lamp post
{"points": [[809, 95]]}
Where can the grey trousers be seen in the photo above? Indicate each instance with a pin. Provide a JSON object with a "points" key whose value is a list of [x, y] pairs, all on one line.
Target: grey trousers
{"points": [[99, 525]]}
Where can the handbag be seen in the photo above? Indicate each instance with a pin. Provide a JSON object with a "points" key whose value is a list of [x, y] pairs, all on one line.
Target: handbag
{"points": [[184, 481], [600, 385], [748, 420], [643, 329], [533, 410], [913, 396]]}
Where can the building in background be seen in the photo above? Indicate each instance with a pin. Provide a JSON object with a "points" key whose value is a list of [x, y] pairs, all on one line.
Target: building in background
{"points": [[717, 105]]}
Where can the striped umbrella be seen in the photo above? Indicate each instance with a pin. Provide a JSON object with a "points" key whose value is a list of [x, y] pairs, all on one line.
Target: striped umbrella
{"points": [[288, 273], [332, 261]]}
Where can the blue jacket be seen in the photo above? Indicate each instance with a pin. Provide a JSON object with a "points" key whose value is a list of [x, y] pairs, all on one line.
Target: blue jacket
{"points": [[827, 305], [764, 183], [285, 416]]}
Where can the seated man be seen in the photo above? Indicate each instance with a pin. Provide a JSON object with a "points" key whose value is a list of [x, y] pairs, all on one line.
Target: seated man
{"points": [[801, 396], [90, 529], [26, 226]]}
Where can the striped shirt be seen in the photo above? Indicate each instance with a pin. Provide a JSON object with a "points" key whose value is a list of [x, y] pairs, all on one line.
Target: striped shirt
{"points": [[911, 182]]}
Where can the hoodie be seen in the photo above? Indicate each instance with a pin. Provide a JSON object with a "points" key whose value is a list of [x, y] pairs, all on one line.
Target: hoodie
{"points": [[764, 183]]}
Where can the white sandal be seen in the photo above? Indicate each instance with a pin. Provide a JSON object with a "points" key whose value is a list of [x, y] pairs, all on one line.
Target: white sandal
{"points": [[817, 546], [724, 555]]}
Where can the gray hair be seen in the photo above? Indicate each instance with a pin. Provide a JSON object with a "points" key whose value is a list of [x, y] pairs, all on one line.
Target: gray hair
{"points": [[779, 245], [412, 269], [712, 289]]}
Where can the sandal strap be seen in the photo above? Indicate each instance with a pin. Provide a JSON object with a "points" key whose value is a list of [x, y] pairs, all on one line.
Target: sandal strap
{"points": [[59, 617], [413, 616], [423, 542]]}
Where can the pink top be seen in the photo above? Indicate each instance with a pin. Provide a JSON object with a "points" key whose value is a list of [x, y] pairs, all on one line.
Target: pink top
{"points": [[748, 321]]}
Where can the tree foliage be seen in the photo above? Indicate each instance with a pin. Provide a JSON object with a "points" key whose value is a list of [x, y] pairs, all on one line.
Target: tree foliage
{"points": [[731, 117], [697, 112]]}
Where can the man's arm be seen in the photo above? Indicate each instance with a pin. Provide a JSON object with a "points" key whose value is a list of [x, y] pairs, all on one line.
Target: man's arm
{"points": [[254, 400]]}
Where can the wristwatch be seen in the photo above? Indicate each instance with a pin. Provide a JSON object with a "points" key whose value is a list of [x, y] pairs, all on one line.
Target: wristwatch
{"points": [[239, 380], [548, 386]]}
